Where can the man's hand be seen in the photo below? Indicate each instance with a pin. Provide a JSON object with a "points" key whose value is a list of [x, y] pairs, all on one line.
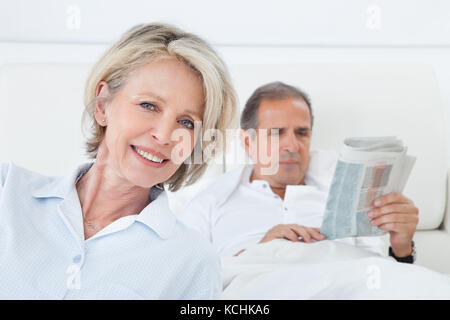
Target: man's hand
{"points": [[293, 232], [398, 215]]}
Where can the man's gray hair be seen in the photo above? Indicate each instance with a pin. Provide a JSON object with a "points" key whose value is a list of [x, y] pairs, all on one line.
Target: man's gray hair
{"points": [[271, 91]]}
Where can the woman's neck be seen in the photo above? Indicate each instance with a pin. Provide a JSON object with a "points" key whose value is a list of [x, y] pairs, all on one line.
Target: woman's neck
{"points": [[106, 197]]}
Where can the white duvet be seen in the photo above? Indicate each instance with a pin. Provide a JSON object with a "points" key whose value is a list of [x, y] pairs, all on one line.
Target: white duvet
{"points": [[282, 269]]}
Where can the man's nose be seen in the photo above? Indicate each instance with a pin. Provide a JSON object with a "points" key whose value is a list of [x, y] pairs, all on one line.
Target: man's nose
{"points": [[290, 142]]}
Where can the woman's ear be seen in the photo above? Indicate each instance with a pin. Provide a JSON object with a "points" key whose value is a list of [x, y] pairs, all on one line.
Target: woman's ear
{"points": [[101, 94]]}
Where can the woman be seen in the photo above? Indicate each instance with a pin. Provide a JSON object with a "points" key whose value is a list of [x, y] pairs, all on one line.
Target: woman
{"points": [[105, 230]]}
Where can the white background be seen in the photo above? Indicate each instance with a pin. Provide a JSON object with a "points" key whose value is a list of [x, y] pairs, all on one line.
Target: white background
{"points": [[245, 31]]}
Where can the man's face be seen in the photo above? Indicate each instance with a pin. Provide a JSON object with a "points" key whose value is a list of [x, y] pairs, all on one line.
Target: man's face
{"points": [[292, 119]]}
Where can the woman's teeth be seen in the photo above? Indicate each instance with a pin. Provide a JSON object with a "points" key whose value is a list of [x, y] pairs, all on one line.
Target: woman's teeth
{"points": [[148, 156]]}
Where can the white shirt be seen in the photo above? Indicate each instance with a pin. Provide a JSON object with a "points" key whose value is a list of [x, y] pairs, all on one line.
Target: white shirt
{"points": [[43, 253], [234, 213]]}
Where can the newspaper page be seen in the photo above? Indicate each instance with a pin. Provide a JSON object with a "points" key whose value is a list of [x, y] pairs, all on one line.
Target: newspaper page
{"points": [[367, 168]]}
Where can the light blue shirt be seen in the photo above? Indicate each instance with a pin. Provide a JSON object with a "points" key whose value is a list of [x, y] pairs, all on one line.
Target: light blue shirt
{"points": [[43, 253]]}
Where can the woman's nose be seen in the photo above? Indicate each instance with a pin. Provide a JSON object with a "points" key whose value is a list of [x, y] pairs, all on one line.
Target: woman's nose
{"points": [[162, 132]]}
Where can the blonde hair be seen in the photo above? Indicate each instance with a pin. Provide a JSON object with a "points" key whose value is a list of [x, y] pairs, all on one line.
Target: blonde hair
{"points": [[146, 43]]}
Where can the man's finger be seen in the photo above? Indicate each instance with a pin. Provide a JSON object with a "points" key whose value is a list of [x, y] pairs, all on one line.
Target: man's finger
{"points": [[397, 227], [391, 198], [395, 218], [393, 208], [308, 233], [316, 234], [290, 235], [301, 231]]}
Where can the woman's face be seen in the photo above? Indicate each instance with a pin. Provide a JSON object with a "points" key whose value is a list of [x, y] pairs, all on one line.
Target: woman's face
{"points": [[159, 102]]}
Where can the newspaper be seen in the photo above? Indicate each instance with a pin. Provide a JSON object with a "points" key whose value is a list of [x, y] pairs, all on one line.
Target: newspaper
{"points": [[367, 168]]}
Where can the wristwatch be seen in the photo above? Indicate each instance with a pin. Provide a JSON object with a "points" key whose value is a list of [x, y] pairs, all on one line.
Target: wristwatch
{"points": [[408, 259]]}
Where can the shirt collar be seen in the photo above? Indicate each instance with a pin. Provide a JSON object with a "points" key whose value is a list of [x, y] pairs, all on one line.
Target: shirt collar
{"points": [[256, 183], [157, 215], [61, 186], [318, 175]]}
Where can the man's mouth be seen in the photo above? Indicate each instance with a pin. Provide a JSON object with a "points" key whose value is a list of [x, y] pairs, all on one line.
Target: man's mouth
{"points": [[149, 156], [289, 162]]}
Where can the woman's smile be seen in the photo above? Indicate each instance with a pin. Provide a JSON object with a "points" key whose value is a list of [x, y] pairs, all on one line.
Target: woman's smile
{"points": [[149, 157]]}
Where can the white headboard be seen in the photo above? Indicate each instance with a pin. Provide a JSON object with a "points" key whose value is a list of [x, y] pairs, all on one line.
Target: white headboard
{"points": [[350, 99], [41, 107]]}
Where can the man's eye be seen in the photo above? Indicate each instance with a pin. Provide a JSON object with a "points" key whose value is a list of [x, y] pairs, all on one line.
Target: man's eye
{"points": [[148, 106], [187, 123], [274, 132]]}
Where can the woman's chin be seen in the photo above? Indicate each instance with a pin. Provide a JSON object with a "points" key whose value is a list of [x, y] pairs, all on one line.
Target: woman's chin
{"points": [[148, 178], [143, 181]]}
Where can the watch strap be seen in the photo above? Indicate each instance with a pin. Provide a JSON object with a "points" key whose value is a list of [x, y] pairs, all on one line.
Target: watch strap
{"points": [[408, 259]]}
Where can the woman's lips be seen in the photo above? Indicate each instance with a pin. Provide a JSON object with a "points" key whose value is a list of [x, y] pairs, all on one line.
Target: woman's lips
{"points": [[148, 162], [151, 151]]}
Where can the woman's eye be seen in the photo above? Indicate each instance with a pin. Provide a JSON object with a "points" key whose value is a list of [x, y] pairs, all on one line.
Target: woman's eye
{"points": [[148, 106], [187, 123]]}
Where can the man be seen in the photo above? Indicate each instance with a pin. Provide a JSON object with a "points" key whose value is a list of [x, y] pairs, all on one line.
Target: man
{"points": [[255, 204]]}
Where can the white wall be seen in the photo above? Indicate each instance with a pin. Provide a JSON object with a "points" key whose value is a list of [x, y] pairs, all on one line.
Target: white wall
{"points": [[285, 31], [235, 22]]}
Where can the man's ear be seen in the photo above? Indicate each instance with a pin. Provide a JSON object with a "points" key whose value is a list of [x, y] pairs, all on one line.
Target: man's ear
{"points": [[101, 95], [244, 140], [248, 140]]}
